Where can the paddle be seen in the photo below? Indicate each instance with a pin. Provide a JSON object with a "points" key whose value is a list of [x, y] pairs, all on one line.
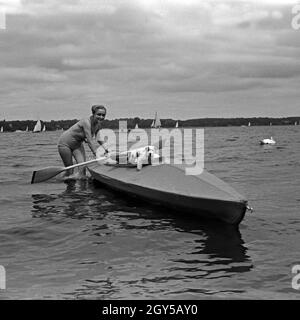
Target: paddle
{"points": [[50, 172]]}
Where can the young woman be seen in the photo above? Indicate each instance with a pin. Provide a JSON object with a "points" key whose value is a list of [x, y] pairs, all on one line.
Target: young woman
{"points": [[70, 143]]}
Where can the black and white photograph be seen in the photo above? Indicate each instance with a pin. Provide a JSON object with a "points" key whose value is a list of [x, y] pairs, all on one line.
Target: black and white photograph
{"points": [[149, 151]]}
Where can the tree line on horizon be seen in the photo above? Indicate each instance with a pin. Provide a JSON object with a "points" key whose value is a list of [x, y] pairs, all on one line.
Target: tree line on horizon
{"points": [[54, 125]]}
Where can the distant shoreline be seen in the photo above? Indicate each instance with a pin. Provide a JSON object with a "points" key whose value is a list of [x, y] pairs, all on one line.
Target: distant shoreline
{"points": [[54, 125]]}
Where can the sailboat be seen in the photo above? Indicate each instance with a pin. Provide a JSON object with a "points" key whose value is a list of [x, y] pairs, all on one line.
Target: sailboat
{"points": [[296, 123], [26, 130], [176, 125], [249, 124], [37, 127], [136, 129], [44, 128], [2, 129], [156, 122]]}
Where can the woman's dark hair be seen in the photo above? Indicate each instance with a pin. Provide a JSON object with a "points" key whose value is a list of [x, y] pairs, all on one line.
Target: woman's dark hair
{"points": [[96, 107]]}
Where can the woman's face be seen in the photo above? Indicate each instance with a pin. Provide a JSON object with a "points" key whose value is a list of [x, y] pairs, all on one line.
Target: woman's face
{"points": [[100, 114]]}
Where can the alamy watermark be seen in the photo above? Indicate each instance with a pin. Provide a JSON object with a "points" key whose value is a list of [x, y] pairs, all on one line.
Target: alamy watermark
{"points": [[2, 278], [296, 17], [296, 278], [176, 146]]}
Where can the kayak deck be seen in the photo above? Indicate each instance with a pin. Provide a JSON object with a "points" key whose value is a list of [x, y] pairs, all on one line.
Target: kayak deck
{"points": [[204, 195]]}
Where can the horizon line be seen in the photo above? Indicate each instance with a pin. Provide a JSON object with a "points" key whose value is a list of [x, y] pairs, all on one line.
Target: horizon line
{"points": [[260, 117]]}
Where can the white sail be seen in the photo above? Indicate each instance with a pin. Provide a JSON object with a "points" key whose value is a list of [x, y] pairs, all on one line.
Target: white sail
{"points": [[249, 124], [176, 126], [44, 128], [152, 124], [1, 130], [157, 123], [26, 129], [37, 127], [136, 126]]}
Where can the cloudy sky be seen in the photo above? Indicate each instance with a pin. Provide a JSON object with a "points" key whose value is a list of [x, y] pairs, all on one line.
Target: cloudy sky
{"points": [[182, 58]]}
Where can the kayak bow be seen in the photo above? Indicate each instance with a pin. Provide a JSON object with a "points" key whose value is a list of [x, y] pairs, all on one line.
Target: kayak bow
{"points": [[204, 195]]}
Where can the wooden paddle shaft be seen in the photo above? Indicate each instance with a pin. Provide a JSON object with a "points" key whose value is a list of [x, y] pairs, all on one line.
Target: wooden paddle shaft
{"points": [[84, 163]]}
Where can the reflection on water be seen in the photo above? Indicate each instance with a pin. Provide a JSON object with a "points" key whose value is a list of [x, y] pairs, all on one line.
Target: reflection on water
{"points": [[144, 247], [79, 201]]}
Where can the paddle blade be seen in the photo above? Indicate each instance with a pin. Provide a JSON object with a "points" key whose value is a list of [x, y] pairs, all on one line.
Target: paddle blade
{"points": [[45, 174]]}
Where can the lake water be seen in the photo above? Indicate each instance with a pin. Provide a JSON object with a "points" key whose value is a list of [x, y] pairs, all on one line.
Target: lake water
{"points": [[80, 241]]}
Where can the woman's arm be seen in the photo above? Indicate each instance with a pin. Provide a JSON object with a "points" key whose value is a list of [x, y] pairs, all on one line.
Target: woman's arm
{"points": [[102, 143], [86, 125]]}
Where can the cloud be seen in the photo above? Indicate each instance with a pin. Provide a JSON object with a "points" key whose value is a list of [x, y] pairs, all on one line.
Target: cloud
{"points": [[30, 75], [11, 6], [76, 52], [208, 85], [90, 63], [45, 7], [272, 69]]}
